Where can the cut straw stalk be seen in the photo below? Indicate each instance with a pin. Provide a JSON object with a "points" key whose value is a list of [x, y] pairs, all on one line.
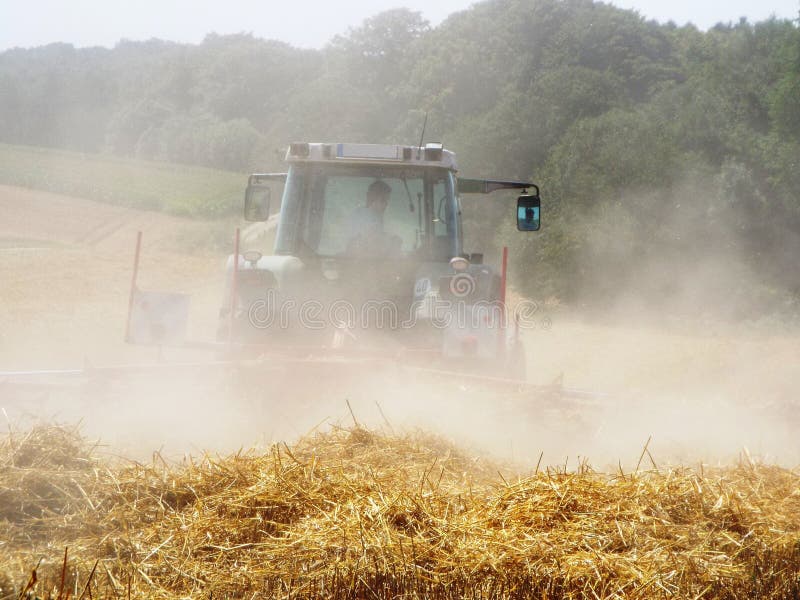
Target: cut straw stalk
{"points": [[358, 513]]}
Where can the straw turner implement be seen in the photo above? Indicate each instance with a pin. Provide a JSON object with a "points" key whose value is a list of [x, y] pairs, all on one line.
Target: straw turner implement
{"points": [[368, 272]]}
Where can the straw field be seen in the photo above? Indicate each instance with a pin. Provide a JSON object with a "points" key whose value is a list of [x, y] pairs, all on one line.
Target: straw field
{"points": [[353, 513]]}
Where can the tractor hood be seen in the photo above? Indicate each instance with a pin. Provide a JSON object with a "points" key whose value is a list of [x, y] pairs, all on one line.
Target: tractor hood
{"points": [[330, 279]]}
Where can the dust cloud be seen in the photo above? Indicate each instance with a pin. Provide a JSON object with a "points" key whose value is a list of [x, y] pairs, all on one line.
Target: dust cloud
{"points": [[686, 373], [699, 349]]}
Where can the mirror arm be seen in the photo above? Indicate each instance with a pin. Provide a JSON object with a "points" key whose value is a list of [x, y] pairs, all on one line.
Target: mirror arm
{"points": [[487, 186]]}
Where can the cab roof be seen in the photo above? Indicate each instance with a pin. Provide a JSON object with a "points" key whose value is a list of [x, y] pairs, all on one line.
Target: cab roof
{"points": [[430, 155]]}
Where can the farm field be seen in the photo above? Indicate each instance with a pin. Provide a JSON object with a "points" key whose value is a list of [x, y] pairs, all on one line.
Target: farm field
{"points": [[683, 499], [354, 513], [513, 311], [66, 267], [166, 187]]}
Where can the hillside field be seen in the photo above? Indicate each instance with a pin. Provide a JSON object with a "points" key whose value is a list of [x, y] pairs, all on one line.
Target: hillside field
{"points": [[171, 188]]}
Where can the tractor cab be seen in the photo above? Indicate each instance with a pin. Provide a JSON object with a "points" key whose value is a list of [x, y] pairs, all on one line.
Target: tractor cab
{"points": [[367, 223], [364, 202]]}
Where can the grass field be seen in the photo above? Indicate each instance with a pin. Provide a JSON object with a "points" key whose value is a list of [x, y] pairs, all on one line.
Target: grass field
{"points": [[175, 189]]}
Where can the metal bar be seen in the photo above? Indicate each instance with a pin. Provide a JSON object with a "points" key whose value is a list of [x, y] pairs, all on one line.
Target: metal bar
{"points": [[574, 392], [487, 186], [259, 177], [234, 284], [267, 362], [504, 276], [135, 275], [127, 368], [42, 372], [273, 362]]}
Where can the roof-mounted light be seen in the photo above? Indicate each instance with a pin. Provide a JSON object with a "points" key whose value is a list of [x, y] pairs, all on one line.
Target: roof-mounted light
{"points": [[299, 149], [368, 151], [433, 152]]}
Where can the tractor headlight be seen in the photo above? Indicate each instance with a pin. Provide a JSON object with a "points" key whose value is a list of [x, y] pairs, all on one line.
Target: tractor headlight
{"points": [[252, 256], [459, 264], [299, 149]]}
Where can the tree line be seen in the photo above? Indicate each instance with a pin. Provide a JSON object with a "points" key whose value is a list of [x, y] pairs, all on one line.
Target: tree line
{"points": [[668, 157]]}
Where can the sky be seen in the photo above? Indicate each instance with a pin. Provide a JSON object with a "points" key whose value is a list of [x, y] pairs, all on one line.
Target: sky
{"points": [[303, 23]]}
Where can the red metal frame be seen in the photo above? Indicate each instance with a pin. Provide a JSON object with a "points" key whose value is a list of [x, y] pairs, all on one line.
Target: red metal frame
{"points": [[135, 275], [234, 284], [504, 276], [501, 338]]}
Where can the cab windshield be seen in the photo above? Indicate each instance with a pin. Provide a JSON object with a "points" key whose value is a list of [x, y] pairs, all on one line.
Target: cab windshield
{"points": [[368, 212]]}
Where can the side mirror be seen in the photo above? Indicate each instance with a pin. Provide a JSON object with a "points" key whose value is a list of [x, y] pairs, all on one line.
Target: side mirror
{"points": [[256, 202], [528, 208]]}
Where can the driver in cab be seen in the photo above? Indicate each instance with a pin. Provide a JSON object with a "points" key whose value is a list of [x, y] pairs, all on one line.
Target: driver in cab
{"points": [[366, 234]]}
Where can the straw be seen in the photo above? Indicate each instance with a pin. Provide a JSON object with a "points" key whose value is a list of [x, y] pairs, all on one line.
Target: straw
{"points": [[354, 513]]}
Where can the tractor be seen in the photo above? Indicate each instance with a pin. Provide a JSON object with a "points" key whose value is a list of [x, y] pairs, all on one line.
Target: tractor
{"points": [[369, 261]]}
